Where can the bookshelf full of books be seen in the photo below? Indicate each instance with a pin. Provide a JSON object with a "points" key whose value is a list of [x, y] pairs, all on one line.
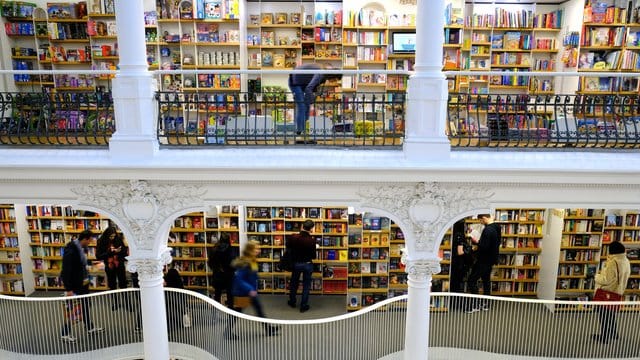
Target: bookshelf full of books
{"points": [[271, 226], [516, 273], [580, 250], [11, 282], [50, 228], [609, 42], [189, 243]]}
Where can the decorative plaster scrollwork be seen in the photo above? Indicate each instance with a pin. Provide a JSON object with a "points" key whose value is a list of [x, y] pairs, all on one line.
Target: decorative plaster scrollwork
{"points": [[425, 208], [420, 270], [150, 269], [142, 205]]}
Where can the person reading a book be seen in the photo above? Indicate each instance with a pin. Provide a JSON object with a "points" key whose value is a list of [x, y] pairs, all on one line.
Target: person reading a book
{"points": [[487, 250], [75, 278], [460, 260], [302, 248], [303, 87], [113, 252], [611, 281]]}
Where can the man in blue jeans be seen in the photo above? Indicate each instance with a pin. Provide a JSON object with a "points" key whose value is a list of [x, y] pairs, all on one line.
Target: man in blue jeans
{"points": [[303, 87], [302, 248]]}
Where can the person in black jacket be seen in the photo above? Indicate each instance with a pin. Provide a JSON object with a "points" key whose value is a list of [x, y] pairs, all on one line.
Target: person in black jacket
{"points": [[461, 261], [488, 248], [75, 278], [303, 87], [302, 248], [219, 261], [113, 252]]}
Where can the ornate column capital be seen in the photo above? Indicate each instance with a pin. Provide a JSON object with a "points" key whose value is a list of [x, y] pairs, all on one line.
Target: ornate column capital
{"points": [[142, 206], [149, 269], [423, 209], [422, 270]]}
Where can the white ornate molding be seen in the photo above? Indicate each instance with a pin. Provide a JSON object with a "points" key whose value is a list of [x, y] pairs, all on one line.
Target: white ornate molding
{"points": [[141, 205], [422, 270], [425, 208], [148, 268]]}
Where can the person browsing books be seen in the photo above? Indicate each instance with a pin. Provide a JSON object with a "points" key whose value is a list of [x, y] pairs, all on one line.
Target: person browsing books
{"points": [[488, 247], [75, 277], [302, 248], [303, 87], [611, 279]]}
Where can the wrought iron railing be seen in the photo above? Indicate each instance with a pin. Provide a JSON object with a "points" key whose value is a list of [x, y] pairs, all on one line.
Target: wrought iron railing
{"points": [[550, 121], [69, 118], [267, 118]]}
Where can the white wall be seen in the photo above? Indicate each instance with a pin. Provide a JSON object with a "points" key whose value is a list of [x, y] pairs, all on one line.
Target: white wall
{"points": [[550, 254]]}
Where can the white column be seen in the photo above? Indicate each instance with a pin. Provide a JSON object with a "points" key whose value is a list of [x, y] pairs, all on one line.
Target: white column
{"points": [[154, 317], [427, 88], [416, 343], [133, 89]]}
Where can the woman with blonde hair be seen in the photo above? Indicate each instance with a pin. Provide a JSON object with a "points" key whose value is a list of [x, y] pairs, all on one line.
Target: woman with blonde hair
{"points": [[245, 282]]}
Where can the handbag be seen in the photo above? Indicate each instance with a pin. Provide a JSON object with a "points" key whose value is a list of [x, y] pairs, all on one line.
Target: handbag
{"points": [[606, 295], [241, 302]]}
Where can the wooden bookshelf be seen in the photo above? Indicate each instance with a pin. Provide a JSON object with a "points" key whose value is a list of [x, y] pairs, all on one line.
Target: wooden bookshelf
{"points": [[11, 280], [50, 228]]}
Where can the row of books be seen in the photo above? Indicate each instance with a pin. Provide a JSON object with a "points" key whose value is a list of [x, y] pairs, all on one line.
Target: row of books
{"points": [[511, 40], [502, 18], [602, 36], [11, 286], [602, 12]]}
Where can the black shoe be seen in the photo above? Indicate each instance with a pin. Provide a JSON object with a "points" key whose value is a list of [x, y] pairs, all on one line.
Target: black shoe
{"points": [[273, 330], [231, 336], [291, 303], [599, 338], [304, 308], [114, 307]]}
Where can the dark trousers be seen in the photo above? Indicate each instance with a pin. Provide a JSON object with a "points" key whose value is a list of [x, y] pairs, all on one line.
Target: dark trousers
{"points": [[86, 315], [480, 271], [608, 324], [223, 283], [306, 269], [116, 277], [302, 108]]}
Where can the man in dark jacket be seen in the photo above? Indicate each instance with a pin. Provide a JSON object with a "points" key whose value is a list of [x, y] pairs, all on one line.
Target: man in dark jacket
{"points": [[303, 250], [75, 278], [303, 87], [488, 248]]}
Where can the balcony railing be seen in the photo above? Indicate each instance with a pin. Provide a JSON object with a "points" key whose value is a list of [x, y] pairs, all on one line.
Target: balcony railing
{"points": [[549, 121], [510, 328], [267, 118], [77, 117], [69, 118]]}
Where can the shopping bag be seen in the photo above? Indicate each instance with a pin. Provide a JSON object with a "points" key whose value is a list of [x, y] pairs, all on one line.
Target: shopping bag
{"points": [[186, 319], [73, 311]]}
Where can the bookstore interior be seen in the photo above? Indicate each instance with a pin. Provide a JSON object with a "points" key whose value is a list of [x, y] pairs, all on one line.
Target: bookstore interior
{"points": [[545, 253], [581, 36], [574, 35]]}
